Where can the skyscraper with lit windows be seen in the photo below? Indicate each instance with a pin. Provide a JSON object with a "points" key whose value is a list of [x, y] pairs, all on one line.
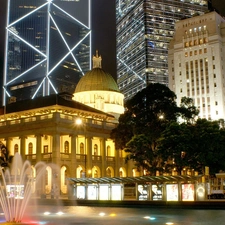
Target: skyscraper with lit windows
{"points": [[144, 30], [47, 49], [196, 63]]}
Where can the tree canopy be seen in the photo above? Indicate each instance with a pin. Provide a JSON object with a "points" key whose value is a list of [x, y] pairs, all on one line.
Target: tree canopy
{"points": [[160, 136], [193, 146]]}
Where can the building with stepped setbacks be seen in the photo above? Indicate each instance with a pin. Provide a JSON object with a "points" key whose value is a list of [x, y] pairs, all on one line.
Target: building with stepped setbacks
{"points": [[196, 63], [99, 90]]}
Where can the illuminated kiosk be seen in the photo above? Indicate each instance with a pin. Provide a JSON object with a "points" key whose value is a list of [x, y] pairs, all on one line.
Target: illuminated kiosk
{"points": [[145, 188]]}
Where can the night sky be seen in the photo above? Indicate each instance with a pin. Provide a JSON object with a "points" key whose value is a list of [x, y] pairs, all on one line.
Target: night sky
{"points": [[103, 31]]}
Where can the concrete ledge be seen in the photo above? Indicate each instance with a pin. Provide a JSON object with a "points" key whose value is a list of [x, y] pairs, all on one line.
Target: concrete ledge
{"points": [[210, 204]]}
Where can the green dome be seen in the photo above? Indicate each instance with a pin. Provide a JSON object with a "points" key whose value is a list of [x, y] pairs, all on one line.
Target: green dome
{"points": [[97, 80]]}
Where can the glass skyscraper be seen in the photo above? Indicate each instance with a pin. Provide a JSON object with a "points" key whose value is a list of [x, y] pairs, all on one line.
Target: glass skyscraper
{"points": [[48, 47], [144, 30]]}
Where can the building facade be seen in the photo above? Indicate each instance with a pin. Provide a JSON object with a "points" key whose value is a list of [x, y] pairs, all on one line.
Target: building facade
{"points": [[144, 30], [47, 47], [62, 132], [196, 63]]}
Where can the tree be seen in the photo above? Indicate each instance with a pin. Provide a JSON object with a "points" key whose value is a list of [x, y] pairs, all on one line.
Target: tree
{"points": [[5, 158], [124, 131], [175, 147], [193, 146], [188, 111], [142, 151], [209, 142], [147, 114]]}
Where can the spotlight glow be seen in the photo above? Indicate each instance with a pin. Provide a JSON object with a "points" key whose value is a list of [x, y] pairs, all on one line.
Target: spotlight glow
{"points": [[59, 213], [46, 213], [149, 218], [102, 214]]}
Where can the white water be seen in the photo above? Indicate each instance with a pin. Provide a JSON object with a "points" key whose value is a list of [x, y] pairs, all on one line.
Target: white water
{"points": [[17, 184]]}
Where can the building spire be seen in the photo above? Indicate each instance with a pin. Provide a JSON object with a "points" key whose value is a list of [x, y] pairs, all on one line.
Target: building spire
{"points": [[97, 61]]}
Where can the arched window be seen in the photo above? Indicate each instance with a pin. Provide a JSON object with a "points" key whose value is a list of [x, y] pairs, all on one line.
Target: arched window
{"points": [[108, 151], [108, 172], [30, 148], [95, 149], [96, 174], [66, 147], [82, 148], [46, 177], [16, 148], [65, 176], [81, 173]]}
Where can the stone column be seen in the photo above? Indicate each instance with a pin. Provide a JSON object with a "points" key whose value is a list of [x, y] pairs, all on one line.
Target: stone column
{"points": [[22, 147], [130, 166], [56, 178], [9, 146], [89, 155], [103, 155], [40, 186], [38, 148], [56, 148], [73, 155], [117, 157]]}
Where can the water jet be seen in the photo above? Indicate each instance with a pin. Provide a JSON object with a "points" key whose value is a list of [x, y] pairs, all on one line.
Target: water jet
{"points": [[17, 183]]}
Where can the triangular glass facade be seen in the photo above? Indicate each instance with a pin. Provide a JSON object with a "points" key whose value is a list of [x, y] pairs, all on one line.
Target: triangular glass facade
{"points": [[47, 48]]}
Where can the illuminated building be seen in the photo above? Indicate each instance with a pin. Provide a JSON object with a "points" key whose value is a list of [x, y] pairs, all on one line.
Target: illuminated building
{"points": [[73, 136], [144, 30], [48, 46], [99, 90], [196, 63]]}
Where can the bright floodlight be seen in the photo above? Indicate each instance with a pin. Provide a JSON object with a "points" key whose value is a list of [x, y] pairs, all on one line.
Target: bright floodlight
{"points": [[78, 121]]}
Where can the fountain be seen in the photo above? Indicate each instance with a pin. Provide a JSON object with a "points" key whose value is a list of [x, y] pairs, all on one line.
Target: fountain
{"points": [[18, 182]]}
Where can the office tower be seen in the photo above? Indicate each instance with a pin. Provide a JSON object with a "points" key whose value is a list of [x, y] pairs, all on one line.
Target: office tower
{"points": [[48, 46], [144, 30], [196, 63]]}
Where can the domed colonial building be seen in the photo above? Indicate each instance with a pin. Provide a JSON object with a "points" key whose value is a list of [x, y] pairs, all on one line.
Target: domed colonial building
{"points": [[72, 134], [99, 90]]}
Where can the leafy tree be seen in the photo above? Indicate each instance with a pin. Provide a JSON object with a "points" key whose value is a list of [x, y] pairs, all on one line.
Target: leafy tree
{"points": [[124, 131], [147, 114], [5, 158], [188, 111], [193, 146], [209, 142], [140, 128], [174, 147], [142, 151]]}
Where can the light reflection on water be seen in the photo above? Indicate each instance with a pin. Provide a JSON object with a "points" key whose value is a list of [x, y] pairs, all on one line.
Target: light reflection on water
{"points": [[71, 215]]}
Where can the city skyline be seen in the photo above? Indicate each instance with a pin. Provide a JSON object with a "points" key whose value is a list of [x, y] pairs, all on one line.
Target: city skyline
{"points": [[101, 30], [144, 32], [47, 49]]}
